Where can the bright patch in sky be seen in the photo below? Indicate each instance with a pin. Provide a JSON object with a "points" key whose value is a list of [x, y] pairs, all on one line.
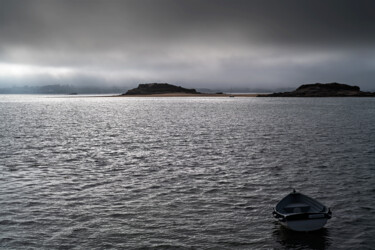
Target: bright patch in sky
{"points": [[21, 70]]}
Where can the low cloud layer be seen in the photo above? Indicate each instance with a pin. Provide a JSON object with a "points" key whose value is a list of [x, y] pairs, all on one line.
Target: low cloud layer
{"points": [[212, 44]]}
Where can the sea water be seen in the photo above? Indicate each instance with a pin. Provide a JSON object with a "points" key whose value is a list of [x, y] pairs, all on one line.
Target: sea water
{"points": [[200, 173]]}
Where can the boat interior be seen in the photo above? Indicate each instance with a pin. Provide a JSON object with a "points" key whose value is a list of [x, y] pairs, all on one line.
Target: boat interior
{"points": [[299, 203]]}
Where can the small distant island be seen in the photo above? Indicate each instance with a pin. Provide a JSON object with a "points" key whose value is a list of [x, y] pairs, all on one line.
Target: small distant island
{"points": [[323, 90], [169, 90], [159, 88]]}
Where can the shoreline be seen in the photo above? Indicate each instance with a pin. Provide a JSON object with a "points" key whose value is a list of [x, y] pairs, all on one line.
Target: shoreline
{"points": [[189, 95], [158, 95]]}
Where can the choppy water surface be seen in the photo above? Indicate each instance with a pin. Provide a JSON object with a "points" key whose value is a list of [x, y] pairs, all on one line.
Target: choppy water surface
{"points": [[95, 173]]}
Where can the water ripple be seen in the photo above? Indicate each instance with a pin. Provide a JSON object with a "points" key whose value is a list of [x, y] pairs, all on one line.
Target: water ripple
{"points": [[182, 173]]}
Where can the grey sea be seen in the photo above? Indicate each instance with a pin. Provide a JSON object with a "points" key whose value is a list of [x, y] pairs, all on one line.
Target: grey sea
{"points": [[183, 173]]}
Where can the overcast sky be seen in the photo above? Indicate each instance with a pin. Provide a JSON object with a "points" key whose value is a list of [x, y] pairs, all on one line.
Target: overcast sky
{"points": [[193, 43]]}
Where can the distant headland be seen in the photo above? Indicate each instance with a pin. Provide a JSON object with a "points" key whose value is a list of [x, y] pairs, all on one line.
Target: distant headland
{"points": [[324, 90]]}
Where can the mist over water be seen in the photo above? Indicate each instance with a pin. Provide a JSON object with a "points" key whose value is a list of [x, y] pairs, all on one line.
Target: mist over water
{"points": [[97, 173]]}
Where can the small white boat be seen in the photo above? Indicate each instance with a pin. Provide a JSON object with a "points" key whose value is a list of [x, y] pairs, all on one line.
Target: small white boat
{"points": [[300, 212]]}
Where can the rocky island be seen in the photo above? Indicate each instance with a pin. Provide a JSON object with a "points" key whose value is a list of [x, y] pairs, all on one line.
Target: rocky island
{"points": [[169, 90], [324, 90], [159, 88]]}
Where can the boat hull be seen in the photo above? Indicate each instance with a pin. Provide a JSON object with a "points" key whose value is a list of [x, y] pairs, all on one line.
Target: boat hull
{"points": [[305, 225]]}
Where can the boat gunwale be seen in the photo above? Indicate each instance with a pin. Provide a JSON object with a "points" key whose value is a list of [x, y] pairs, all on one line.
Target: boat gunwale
{"points": [[301, 216], [325, 212]]}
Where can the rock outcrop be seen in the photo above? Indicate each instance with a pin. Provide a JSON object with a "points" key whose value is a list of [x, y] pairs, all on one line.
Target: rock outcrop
{"points": [[159, 88], [324, 90]]}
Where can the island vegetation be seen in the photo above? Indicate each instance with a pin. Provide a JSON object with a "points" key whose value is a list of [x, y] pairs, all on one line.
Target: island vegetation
{"points": [[159, 88]]}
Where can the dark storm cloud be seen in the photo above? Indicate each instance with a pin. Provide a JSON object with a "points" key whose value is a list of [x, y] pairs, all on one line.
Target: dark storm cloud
{"points": [[200, 42], [89, 24]]}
